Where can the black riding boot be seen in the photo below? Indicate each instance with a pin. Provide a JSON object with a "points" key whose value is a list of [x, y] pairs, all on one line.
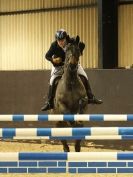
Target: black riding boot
{"points": [[49, 104], [91, 97]]}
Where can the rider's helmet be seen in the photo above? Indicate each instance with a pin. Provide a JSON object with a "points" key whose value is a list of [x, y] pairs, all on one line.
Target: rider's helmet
{"points": [[60, 34]]}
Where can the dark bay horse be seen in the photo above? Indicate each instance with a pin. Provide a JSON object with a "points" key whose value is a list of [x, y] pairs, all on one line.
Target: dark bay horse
{"points": [[70, 97]]}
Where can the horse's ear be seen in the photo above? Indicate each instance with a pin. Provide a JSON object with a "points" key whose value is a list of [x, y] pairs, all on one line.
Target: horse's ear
{"points": [[77, 39]]}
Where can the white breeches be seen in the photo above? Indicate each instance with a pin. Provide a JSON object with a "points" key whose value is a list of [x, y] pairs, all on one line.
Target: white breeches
{"points": [[58, 71]]}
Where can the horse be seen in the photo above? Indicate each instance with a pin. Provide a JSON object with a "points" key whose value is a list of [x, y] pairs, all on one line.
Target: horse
{"points": [[70, 96]]}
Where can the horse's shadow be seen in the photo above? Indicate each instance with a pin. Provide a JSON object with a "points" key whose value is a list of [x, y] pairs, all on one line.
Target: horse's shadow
{"points": [[110, 145]]}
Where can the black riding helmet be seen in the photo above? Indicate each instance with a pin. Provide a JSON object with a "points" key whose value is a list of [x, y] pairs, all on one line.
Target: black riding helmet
{"points": [[61, 34]]}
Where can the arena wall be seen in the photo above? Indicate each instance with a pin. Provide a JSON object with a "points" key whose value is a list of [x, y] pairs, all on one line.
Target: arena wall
{"points": [[22, 92]]}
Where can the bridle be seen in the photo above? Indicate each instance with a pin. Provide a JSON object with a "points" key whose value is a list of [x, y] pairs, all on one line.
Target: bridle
{"points": [[71, 61]]}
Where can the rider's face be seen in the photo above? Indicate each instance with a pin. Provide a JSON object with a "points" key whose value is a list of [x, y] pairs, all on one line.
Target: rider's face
{"points": [[62, 43]]}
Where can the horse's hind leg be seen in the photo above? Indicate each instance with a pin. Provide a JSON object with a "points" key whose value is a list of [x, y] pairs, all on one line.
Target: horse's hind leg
{"points": [[77, 145], [65, 146]]}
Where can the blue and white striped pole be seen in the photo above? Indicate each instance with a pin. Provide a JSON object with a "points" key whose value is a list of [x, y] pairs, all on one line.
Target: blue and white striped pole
{"points": [[67, 117], [16, 156], [89, 131]]}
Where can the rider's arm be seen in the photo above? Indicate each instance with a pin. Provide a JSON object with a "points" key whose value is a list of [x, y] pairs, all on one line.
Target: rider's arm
{"points": [[50, 53]]}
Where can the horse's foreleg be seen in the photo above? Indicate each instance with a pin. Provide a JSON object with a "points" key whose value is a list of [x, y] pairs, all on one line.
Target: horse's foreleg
{"points": [[77, 145], [65, 146], [80, 106], [82, 103]]}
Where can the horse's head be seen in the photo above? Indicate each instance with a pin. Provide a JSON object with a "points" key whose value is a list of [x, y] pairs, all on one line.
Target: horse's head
{"points": [[72, 55]]}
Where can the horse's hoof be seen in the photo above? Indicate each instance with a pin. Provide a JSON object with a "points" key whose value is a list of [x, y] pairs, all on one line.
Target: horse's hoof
{"points": [[66, 149], [77, 148]]}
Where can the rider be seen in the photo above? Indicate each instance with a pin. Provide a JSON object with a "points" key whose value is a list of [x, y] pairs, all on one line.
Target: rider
{"points": [[56, 55]]}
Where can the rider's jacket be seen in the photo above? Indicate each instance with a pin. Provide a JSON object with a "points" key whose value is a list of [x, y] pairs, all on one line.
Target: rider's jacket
{"points": [[56, 51]]}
